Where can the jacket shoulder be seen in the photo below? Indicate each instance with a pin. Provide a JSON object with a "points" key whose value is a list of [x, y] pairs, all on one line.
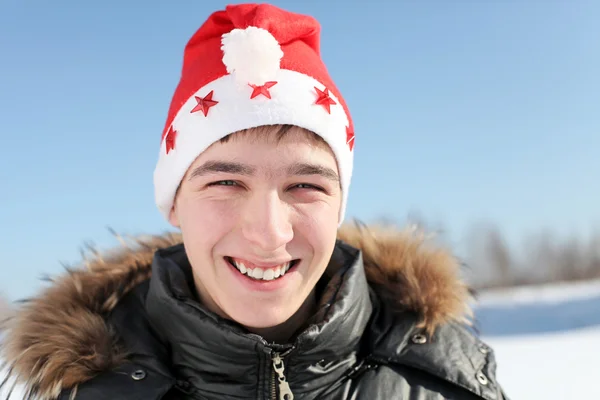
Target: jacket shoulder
{"points": [[143, 371], [422, 308], [453, 353], [89, 321], [129, 381], [136, 336]]}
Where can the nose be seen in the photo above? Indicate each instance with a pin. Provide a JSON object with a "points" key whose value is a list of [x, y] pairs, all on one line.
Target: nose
{"points": [[266, 223]]}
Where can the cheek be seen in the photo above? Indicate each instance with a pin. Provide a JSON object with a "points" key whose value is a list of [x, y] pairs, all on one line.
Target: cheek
{"points": [[318, 224], [324, 212], [204, 222]]}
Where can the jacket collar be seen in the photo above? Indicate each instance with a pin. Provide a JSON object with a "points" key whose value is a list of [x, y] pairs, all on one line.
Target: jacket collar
{"points": [[196, 335], [61, 339]]}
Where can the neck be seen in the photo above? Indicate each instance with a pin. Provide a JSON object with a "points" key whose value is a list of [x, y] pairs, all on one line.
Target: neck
{"points": [[283, 332]]}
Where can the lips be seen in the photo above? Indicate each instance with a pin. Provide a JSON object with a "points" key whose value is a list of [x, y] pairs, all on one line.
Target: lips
{"points": [[261, 273]]}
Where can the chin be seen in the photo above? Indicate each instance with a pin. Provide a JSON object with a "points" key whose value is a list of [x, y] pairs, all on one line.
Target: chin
{"points": [[260, 317]]}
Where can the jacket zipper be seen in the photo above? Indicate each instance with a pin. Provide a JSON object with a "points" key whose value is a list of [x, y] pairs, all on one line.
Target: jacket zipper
{"points": [[278, 380], [285, 393]]}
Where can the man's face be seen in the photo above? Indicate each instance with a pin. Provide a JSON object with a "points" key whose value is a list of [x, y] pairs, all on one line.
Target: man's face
{"points": [[261, 207]]}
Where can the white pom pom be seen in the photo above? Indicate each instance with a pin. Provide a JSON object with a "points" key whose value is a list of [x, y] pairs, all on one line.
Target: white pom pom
{"points": [[253, 55]]}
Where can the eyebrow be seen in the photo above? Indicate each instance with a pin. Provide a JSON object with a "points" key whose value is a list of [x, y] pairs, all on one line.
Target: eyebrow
{"points": [[212, 167], [228, 167], [313, 169]]}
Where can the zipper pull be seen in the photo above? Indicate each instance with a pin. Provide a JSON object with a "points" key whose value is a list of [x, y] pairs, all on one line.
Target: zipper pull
{"points": [[285, 393]]}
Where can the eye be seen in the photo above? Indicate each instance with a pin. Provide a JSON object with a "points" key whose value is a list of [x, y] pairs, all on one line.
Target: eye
{"points": [[307, 186], [223, 183]]}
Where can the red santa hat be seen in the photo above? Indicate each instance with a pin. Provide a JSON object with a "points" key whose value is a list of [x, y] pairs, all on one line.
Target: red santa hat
{"points": [[246, 66]]}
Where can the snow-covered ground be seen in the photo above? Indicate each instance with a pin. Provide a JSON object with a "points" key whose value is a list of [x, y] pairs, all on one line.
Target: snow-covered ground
{"points": [[557, 366], [546, 339]]}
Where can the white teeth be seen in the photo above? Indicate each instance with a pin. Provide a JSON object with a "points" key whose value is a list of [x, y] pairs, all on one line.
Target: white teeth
{"points": [[262, 274], [268, 275], [257, 273]]}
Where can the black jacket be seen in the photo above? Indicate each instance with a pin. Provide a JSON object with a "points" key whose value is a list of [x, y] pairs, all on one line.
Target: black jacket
{"points": [[391, 324]]}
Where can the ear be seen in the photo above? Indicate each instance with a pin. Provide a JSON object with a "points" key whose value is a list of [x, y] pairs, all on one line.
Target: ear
{"points": [[173, 217]]}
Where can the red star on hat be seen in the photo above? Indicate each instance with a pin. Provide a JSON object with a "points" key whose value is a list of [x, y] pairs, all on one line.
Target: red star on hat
{"points": [[204, 103], [263, 89], [350, 138], [170, 141], [324, 99]]}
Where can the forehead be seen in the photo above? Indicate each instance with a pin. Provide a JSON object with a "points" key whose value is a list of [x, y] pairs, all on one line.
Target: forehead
{"points": [[253, 149]]}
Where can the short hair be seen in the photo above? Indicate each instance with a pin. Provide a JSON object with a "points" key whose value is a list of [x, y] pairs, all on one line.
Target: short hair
{"points": [[281, 130]]}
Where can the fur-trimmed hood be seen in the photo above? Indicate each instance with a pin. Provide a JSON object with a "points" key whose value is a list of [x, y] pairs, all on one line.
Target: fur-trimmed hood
{"points": [[60, 338]]}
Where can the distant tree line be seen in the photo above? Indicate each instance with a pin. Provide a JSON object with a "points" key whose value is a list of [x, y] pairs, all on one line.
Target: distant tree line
{"points": [[540, 258], [543, 257]]}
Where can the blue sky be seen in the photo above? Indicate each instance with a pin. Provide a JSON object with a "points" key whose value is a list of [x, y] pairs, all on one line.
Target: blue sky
{"points": [[464, 111]]}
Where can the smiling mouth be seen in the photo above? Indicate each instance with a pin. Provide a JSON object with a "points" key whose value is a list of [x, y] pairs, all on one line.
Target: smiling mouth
{"points": [[262, 274]]}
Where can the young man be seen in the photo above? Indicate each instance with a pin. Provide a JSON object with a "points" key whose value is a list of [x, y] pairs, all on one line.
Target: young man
{"points": [[262, 295]]}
